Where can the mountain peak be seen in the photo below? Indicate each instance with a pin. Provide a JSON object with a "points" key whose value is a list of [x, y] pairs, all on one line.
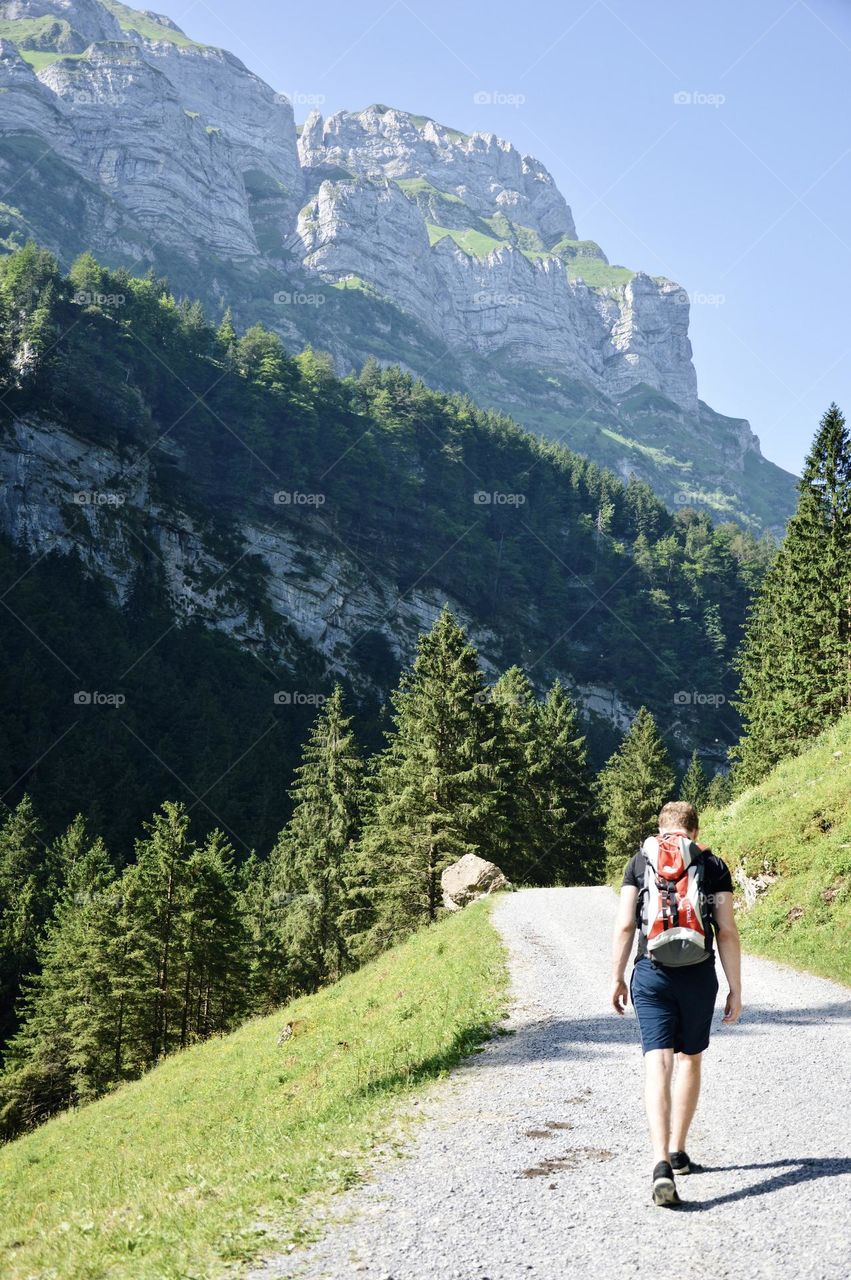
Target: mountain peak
{"points": [[451, 253]]}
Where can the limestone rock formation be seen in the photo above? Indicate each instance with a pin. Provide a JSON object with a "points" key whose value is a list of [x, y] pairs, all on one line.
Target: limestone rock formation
{"points": [[469, 878], [450, 253]]}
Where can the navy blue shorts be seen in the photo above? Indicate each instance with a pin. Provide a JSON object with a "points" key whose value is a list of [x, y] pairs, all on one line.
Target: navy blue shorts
{"points": [[674, 1007]]}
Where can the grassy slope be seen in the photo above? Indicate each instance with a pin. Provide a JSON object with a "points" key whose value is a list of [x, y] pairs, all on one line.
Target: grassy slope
{"points": [[131, 19], [179, 1172], [797, 824], [472, 242]]}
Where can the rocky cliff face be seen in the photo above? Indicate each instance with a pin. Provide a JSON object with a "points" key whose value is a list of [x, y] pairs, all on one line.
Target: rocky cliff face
{"points": [[373, 233], [305, 594], [475, 241], [61, 494]]}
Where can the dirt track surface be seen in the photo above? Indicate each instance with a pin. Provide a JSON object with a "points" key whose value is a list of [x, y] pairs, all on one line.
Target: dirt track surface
{"points": [[533, 1159]]}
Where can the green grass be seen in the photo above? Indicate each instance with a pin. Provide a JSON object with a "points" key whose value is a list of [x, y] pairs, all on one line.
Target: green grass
{"points": [[796, 825], [455, 134], [567, 249], [132, 20], [586, 261], [356, 283], [524, 238], [646, 399], [45, 29], [40, 58], [48, 30], [219, 1153], [417, 186], [598, 275], [472, 242]]}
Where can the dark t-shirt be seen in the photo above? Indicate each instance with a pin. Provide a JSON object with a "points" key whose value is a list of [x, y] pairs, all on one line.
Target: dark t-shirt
{"points": [[716, 879]]}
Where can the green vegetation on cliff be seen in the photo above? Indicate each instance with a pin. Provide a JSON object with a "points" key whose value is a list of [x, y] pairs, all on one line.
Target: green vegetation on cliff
{"points": [[570, 569]]}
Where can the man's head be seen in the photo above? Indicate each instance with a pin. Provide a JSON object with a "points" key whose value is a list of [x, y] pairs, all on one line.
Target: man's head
{"points": [[679, 815]]}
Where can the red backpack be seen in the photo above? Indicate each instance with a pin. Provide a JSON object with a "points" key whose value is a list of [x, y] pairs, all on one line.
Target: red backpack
{"points": [[672, 909]]}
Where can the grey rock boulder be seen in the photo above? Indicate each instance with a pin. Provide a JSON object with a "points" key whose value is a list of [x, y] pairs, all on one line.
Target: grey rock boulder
{"points": [[469, 878]]}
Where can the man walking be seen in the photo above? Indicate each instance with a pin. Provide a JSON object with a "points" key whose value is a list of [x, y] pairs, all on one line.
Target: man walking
{"points": [[678, 894]]}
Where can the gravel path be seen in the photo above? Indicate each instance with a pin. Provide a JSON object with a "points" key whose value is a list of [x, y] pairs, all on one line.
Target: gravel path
{"points": [[533, 1159]]}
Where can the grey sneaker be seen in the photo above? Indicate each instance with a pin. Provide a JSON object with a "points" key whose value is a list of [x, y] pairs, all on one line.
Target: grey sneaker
{"points": [[680, 1162], [664, 1189]]}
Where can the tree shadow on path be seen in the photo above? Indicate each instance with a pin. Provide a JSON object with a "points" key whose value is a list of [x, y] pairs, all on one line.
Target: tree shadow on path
{"points": [[795, 1172], [599, 1034]]}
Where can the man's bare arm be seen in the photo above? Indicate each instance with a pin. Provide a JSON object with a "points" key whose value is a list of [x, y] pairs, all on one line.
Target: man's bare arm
{"points": [[730, 951], [622, 936]]}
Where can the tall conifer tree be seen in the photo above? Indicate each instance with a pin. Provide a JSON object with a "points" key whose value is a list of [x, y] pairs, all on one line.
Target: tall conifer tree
{"points": [[312, 865], [795, 662], [435, 796], [516, 710], [694, 784], [569, 829], [47, 1064], [635, 783], [24, 904]]}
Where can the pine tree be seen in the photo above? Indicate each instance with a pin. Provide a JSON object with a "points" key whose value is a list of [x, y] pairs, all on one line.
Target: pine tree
{"points": [[131, 968], [795, 663], [183, 969], [694, 784], [226, 339], [215, 944], [635, 783], [24, 904], [268, 982], [434, 796], [516, 709], [158, 897], [46, 1066], [569, 835], [719, 792], [314, 857]]}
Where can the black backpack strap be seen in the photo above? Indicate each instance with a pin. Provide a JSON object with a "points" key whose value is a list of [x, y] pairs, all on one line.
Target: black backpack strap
{"points": [[699, 863], [642, 892]]}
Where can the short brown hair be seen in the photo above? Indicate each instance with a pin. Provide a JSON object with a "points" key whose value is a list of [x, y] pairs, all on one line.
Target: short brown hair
{"points": [[678, 814]]}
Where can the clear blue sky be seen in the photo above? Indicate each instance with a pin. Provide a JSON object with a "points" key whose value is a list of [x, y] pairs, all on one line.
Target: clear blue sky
{"points": [[742, 194]]}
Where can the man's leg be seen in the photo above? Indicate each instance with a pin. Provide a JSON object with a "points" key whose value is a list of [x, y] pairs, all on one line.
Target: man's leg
{"points": [[658, 1069], [686, 1091]]}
